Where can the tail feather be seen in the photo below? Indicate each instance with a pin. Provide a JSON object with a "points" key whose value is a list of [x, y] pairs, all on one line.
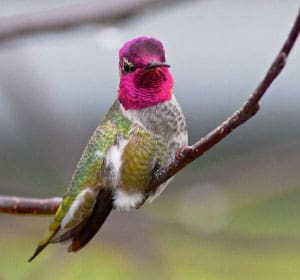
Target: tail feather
{"points": [[68, 235], [37, 251], [86, 232], [42, 244]]}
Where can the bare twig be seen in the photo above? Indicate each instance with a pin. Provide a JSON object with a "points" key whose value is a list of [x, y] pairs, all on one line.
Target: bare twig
{"points": [[26, 205], [247, 111], [63, 18], [186, 154]]}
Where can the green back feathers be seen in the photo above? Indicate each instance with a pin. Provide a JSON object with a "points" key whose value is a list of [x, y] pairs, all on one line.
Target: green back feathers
{"points": [[89, 168]]}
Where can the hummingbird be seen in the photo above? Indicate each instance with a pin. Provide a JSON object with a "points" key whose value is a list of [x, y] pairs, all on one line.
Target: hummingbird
{"points": [[140, 134]]}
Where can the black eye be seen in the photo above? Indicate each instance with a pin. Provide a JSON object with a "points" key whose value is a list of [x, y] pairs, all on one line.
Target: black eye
{"points": [[127, 66]]}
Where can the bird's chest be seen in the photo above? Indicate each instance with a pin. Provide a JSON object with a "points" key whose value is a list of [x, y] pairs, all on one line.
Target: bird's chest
{"points": [[128, 169], [129, 163], [155, 135]]}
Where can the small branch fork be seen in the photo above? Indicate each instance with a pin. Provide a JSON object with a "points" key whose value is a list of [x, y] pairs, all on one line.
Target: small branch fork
{"points": [[185, 155]]}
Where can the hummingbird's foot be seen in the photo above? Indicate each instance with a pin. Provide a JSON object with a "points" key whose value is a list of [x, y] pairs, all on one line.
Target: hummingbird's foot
{"points": [[182, 152], [141, 203]]}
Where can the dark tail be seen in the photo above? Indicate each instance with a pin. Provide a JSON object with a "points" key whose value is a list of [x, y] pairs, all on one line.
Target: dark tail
{"points": [[43, 243], [37, 251], [86, 232]]}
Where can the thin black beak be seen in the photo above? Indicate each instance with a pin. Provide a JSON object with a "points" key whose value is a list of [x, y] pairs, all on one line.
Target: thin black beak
{"points": [[154, 64]]}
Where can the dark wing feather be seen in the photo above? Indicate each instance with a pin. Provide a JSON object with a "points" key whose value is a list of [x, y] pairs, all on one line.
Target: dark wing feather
{"points": [[85, 231]]}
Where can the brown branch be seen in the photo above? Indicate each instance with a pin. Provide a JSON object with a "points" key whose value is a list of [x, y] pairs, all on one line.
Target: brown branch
{"points": [[26, 205], [189, 153], [186, 154], [63, 18]]}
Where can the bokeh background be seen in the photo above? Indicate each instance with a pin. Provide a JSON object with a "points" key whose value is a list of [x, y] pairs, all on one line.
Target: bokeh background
{"points": [[233, 214]]}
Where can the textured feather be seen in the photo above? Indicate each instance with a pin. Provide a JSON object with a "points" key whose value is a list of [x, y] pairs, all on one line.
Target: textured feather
{"points": [[147, 149], [90, 227], [115, 169], [88, 174]]}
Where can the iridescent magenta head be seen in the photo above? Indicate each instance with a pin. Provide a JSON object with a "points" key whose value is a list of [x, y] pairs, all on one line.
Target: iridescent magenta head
{"points": [[145, 77]]}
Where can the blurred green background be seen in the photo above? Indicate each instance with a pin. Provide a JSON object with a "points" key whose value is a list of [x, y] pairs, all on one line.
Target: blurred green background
{"points": [[233, 214]]}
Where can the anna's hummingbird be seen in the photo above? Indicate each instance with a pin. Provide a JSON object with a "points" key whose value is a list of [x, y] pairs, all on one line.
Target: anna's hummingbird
{"points": [[140, 134]]}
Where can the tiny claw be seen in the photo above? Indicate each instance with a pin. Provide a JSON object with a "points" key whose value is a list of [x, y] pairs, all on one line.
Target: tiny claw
{"points": [[182, 152], [141, 203]]}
